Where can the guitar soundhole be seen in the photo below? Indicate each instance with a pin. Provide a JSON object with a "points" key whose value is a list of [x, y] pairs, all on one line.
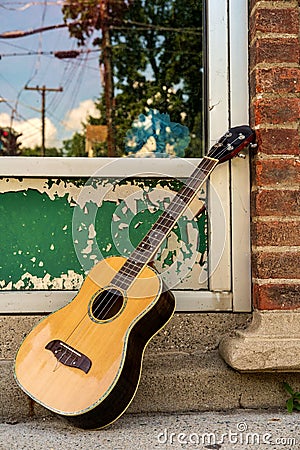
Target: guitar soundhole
{"points": [[107, 304]]}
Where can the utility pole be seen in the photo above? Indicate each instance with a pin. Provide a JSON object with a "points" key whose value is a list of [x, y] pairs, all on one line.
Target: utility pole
{"points": [[108, 77], [43, 91]]}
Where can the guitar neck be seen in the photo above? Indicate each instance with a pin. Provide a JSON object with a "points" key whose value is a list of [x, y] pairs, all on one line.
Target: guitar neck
{"points": [[150, 244]]}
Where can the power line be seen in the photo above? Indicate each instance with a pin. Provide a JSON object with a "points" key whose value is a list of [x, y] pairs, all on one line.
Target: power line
{"points": [[72, 54], [138, 26], [83, 52], [80, 68], [60, 54], [40, 43], [10, 44], [78, 81], [28, 5], [38, 3]]}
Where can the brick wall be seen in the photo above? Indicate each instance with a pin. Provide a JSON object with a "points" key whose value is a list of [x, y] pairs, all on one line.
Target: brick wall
{"points": [[275, 113]]}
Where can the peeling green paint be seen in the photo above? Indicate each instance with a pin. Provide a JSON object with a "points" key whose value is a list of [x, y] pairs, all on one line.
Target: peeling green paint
{"points": [[36, 238], [40, 250]]}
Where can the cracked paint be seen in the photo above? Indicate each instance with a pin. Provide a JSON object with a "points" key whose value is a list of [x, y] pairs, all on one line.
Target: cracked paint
{"points": [[54, 230]]}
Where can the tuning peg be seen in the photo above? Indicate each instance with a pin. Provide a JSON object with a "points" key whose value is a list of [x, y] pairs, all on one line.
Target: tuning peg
{"points": [[253, 145], [241, 155]]}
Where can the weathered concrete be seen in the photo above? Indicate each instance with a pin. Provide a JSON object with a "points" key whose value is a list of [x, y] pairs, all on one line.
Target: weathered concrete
{"points": [[182, 370], [270, 343], [238, 430], [200, 382], [185, 332]]}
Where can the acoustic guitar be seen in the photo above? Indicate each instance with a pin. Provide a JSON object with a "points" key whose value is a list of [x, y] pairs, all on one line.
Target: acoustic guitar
{"points": [[83, 361]]}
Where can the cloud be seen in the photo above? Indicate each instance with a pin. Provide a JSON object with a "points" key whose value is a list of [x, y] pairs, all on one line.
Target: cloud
{"points": [[76, 116], [31, 130], [4, 120]]}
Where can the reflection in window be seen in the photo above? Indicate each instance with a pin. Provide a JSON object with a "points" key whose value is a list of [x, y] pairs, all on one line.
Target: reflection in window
{"points": [[151, 59]]}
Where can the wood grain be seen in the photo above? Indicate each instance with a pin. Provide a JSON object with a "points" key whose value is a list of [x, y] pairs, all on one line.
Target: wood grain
{"points": [[70, 391]]}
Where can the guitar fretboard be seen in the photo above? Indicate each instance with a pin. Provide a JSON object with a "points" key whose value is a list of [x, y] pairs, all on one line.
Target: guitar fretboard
{"points": [[150, 244]]}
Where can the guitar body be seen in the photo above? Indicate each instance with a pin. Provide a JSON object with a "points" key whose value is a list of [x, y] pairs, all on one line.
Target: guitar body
{"points": [[84, 360]]}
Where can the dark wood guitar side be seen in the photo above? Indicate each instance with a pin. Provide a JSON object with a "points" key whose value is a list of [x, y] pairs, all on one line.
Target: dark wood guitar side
{"points": [[84, 361]]}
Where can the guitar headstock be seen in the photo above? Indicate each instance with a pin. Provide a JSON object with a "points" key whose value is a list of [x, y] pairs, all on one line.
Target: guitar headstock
{"points": [[232, 143]]}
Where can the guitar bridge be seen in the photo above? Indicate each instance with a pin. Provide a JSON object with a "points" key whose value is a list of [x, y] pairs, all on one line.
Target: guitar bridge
{"points": [[68, 356]]}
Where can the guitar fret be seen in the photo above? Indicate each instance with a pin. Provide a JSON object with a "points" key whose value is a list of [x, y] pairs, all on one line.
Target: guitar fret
{"points": [[130, 263], [122, 280], [166, 220], [136, 257], [173, 213], [196, 182], [142, 261], [121, 284], [161, 225], [133, 269], [128, 272]]}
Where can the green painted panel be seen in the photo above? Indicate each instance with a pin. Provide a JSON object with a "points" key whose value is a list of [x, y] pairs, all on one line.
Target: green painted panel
{"points": [[52, 234], [36, 238]]}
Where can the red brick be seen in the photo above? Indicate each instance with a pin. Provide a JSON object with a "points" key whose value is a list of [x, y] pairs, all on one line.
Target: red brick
{"points": [[279, 20], [252, 3], [278, 141], [279, 203], [271, 114], [276, 296], [271, 50], [276, 265], [276, 111], [276, 233], [275, 80], [284, 172]]}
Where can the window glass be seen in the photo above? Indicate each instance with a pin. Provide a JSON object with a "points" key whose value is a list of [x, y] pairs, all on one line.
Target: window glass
{"points": [[152, 63], [149, 96]]}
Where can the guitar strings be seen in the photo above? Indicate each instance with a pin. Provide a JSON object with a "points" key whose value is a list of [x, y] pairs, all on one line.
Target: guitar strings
{"points": [[183, 192], [131, 273], [206, 164], [102, 311], [104, 306]]}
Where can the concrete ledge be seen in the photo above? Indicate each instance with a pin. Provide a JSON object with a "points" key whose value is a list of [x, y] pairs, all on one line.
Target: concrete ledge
{"points": [[203, 382], [182, 371], [271, 343], [196, 332], [174, 382], [184, 335]]}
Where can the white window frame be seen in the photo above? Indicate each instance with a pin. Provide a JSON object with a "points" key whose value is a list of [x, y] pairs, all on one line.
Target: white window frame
{"points": [[229, 104], [230, 282]]}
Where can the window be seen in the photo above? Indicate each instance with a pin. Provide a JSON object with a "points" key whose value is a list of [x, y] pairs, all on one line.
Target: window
{"points": [[153, 57], [220, 278]]}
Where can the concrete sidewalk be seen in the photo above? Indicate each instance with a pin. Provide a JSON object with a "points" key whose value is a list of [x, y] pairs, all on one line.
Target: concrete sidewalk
{"points": [[239, 429]]}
